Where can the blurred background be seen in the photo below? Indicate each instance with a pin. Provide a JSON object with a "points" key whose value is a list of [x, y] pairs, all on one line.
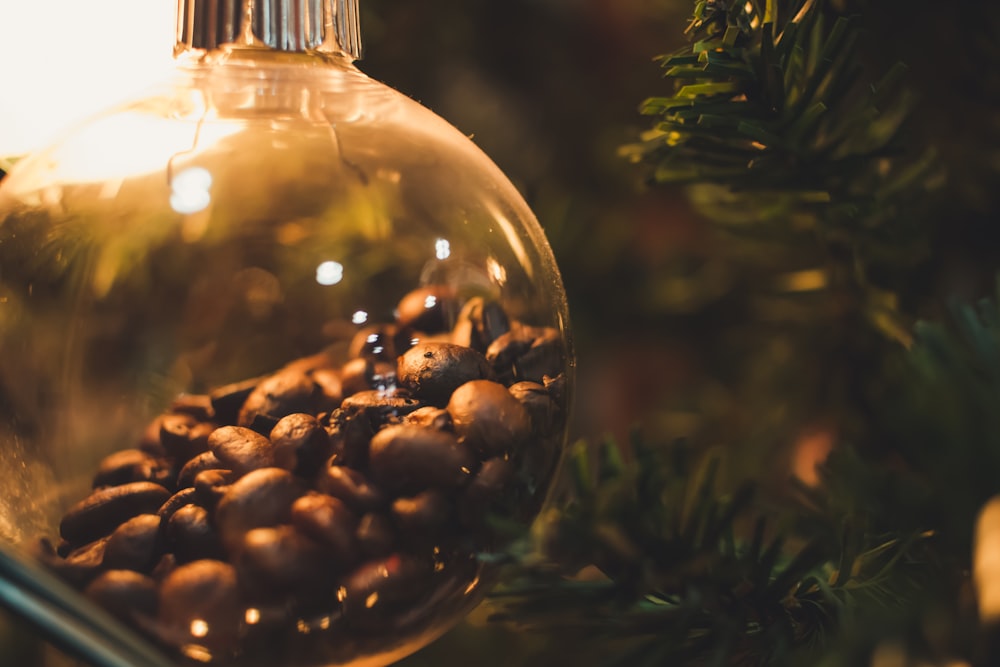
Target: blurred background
{"points": [[680, 331]]}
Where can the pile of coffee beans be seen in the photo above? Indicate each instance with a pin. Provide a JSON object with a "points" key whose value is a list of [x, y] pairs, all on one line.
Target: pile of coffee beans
{"points": [[328, 500]]}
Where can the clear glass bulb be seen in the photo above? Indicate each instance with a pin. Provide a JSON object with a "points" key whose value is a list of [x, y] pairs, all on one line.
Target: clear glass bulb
{"points": [[277, 343]]}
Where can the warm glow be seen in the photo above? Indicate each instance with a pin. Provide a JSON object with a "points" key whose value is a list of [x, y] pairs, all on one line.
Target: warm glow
{"points": [[986, 560], [199, 628], [65, 60], [811, 450]]}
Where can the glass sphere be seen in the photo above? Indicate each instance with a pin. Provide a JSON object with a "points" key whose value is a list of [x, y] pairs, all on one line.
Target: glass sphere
{"points": [[283, 354]]}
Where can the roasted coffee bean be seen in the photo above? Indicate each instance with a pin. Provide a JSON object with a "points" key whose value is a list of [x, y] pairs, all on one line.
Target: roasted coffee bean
{"points": [[259, 499], [183, 437], [480, 322], [211, 485], [183, 497], [281, 561], [349, 436], [378, 588], [331, 390], [136, 545], [241, 449], [132, 465], [526, 353], [490, 487], [430, 417], [103, 510], [546, 415], [263, 424], [380, 407], [200, 606], [488, 419], [125, 594], [227, 401], [375, 534], [423, 517], [163, 567], [80, 565], [363, 374], [300, 444], [281, 394], [328, 521], [430, 309], [351, 487], [150, 440], [490, 483], [310, 364], [204, 461], [407, 459], [377, 341], [433, 370], [191, 535], [556, 386], [198, 406]]}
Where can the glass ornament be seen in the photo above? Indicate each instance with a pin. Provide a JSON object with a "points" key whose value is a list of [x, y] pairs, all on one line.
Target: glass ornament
{"points": [[281, 349]]}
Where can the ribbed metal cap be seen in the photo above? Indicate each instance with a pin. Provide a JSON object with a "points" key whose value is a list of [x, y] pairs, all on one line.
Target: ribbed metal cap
{"points": [[284, 25]]}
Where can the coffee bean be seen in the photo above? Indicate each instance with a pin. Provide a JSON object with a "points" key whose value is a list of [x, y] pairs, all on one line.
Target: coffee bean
{"points": [[125, 594], [281, 394], [364, 373], [375, 534], [310, 364], [380, 407], [487, 490], [328, 521], [241, 449], [281, 561], [430, 417], [349, 436], [378, 588], [432, 371], [331, 390], [480, 322], [490, 483], [150, 440], [103, 510], [259, 499], [526, 353], [488, 419], [204, 461], [351, 487], [184, 437], [132, 465], [163, 567], [198, 406], [263, 424], [183, 497], [546, 415], [408, 459], [430, 309], [423, 517], [136, 545], [227, 400], [191, 535], [200, 606], [80, 565], [211, 485], [300, 443]]}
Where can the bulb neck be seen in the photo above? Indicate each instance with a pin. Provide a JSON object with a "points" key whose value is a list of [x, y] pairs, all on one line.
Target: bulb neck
{"points": [[296, 26]]}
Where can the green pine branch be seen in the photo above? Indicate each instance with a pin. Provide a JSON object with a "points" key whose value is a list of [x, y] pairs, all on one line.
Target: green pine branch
{"points": [[687, 572], [771, 116]]}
